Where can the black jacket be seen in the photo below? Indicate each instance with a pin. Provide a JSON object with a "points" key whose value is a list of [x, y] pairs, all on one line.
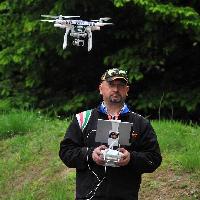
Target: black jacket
{"points": [[117, 183]]}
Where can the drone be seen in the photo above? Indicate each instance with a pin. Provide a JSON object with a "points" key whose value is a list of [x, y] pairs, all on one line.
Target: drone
{"points": [[76, 28]]}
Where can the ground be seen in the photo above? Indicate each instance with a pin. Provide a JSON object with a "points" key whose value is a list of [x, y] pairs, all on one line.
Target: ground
{"points": [[169, 185]]}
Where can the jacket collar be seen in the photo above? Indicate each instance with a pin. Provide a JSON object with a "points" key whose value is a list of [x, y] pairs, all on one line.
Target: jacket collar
{"points": [[103, 109]]}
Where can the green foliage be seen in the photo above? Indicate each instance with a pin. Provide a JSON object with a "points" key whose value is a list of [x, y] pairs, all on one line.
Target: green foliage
{"points": [[18, 123], [19, 63], [79, 101], [178, 18], [4, 105], [127, 57], [168, 104], [167, 10], [31, 54], [156, 41], [166, 43]]}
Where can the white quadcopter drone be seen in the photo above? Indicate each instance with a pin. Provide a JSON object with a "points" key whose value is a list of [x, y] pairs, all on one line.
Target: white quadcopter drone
{"points": [[78, 29]]}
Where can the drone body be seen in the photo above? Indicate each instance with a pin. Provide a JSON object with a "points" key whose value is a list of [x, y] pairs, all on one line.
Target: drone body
{"points": [[78, 29]]}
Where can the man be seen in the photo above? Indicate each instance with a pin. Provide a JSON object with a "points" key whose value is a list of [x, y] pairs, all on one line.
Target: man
{"points": [[79, 149]]}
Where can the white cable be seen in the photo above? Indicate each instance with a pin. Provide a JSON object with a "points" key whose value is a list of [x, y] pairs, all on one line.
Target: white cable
{"points": [[93, 172], [100, 181], [95, 189]]}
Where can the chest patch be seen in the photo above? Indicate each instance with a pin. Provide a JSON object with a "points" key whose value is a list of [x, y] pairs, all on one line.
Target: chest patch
{"points": [[83, 118]]}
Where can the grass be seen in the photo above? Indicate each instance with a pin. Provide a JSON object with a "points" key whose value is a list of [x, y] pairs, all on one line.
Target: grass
{"points": [[29, 164], [180, 144], [18, 123], [30, 168]]}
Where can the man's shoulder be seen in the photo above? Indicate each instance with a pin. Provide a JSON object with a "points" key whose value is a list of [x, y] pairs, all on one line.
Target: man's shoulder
{"points": [[138, 116]]}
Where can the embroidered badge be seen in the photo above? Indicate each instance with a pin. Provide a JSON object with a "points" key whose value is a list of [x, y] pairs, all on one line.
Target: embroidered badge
{"points": [[83, 118]]}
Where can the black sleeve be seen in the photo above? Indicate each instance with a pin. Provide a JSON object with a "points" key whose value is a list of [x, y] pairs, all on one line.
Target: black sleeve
{"points": [[73, 152], [147, 157]]}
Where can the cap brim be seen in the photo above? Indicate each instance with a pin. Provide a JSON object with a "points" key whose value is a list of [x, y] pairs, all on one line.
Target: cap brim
{"points": [[116, 78]]}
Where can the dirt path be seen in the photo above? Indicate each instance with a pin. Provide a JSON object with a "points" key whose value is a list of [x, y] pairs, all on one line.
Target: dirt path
{"points": [[169, 185]]}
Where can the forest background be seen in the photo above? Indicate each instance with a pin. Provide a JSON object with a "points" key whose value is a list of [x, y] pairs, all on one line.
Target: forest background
{"points": [[157, 42]]}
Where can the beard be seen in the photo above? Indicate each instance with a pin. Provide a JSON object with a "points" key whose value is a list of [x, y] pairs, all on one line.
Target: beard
{"points": [[116, 98]]}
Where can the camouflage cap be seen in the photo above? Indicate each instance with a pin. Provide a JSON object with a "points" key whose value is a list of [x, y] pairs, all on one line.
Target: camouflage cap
{"points": [[113, 74]]}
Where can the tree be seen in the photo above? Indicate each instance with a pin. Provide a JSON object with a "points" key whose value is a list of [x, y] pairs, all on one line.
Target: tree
{"points": [[163, 56]]}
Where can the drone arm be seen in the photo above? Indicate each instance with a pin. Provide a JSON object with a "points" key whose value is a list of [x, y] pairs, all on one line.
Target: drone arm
{"points": [[89, 32], [65, 37]]}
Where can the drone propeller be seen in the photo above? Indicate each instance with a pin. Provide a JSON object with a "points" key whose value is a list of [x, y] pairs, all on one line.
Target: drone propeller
{"points": [[59, 16], [70, 16], [50, 16], [48, 20], [108, 23], [104, 19], [101, 19], [103, 24]]}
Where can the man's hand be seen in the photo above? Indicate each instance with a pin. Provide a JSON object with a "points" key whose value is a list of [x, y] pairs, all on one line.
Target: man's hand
{"points": [[97, 153], [125, 157]]}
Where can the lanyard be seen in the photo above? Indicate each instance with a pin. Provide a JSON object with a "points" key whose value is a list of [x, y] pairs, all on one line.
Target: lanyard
{"points": [[110, 117]]}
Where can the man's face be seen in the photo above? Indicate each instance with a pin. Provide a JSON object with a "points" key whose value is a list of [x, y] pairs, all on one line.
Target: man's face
{"points": [[114, 91]]}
